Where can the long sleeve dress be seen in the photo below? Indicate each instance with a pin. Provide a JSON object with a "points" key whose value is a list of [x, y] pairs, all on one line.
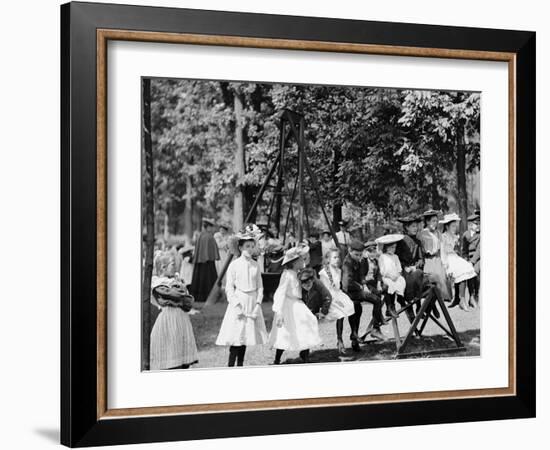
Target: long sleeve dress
{"points": [[299, 330], [341, 305], [390, 268], [244, 289], [433, 265], [172, 338], [457, 268]]}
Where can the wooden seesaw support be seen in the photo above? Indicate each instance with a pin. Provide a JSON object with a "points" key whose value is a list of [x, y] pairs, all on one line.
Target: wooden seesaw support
{"points": [[429, 300]]}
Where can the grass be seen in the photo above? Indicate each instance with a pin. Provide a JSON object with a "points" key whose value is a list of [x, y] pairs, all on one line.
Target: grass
{"points": [[206, 324]]}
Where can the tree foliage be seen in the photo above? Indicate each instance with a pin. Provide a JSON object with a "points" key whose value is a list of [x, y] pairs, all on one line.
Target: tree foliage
{"points": [[380, 152]]}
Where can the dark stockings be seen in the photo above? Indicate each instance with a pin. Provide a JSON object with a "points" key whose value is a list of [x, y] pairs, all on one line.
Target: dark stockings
{"points": [[339, 328], [236, 354]]}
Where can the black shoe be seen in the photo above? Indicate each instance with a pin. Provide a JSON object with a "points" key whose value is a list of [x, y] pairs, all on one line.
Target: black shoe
{"points": [[355, 346], [455, 302]]}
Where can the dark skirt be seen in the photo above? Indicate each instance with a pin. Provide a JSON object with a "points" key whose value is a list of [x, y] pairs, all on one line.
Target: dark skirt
{"points": [[204, 278]]}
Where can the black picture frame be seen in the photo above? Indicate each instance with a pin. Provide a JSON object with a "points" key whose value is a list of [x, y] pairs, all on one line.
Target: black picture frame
{"points": [[80, 425]]}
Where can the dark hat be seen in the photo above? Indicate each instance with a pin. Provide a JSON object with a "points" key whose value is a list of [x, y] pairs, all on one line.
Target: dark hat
{"points": [[307, 274], [342, 222], [430, 213], [208, 221], [314, 234], [326, 232], [407, 219], [262, 226], [419, 218], [473, 217], [357, 246]]}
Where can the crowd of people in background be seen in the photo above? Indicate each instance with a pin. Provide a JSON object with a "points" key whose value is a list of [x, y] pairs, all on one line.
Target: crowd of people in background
{"points": [[328, 276]]}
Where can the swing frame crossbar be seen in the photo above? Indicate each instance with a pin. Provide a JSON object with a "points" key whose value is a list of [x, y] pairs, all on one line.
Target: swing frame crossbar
{"points": [[429, 300], [291, 124]]}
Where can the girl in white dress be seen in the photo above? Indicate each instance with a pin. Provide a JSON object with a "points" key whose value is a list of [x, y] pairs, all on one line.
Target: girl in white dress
{"points": [[390, 271], [243, 324], [457, 268], [294, 325], [172, 343], [341, 305]]}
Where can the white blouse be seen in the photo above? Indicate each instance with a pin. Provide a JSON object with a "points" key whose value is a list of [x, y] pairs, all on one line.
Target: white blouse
{"points": [[389, 265], [243, 274]]}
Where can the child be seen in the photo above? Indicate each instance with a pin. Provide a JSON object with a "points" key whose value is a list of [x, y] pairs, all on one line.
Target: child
{"points": [[458, 269], [243, 324], [294, 325], [390, 271], [341, 305], [172, 340]]}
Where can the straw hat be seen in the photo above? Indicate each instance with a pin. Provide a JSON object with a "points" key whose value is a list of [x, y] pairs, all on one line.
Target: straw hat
{"points": [[208, 221], [389, 239], [291, 254], [430, 213], [447, 218]]}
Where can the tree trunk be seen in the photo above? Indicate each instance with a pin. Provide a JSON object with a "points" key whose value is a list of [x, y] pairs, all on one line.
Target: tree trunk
{"points": [[188, 212], [238, 204], [149, 246], [462, 199], [336, 206]]}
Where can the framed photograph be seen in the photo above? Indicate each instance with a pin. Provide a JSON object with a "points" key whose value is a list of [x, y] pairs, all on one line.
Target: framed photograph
{"points": [[277, 224]]}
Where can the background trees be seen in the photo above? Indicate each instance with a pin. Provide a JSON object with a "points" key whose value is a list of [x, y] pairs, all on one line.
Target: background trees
{"points": [[378, 153]]}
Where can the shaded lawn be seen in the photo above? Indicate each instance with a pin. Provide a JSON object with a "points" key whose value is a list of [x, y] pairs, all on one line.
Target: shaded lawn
{"points": [[206, 325]]}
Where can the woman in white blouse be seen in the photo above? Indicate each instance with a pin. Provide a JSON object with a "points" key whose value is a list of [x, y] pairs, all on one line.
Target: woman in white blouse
{"points": [[243, 324]]}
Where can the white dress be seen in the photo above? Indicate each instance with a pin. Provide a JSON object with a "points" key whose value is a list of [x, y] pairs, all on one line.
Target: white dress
{"points": [[456, 267], [299, 330], [341, 305], [172, 338], [390, 267], [244, 289]]}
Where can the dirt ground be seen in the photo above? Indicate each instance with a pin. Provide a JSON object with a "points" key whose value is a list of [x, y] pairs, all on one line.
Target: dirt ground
{"points": [[206, 324]]}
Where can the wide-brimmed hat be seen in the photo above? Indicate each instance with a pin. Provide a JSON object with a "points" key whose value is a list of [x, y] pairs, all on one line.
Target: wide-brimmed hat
{"points": [[447, 218], [407, 219], [326, 232], [430, 213], [245, 236], [473, 217], [225, 225], [291, 254], [208, 221], [388, 239], [186, 248]]}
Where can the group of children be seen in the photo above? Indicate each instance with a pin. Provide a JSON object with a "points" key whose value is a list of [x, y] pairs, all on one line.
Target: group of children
{"points": [[393, 268]]}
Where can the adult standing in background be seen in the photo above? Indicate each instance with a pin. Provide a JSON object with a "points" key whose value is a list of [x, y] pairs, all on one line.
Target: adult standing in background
{"points": [[343, 235], [327, 243], [222, 240], [204, 259], [471, 241]]}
